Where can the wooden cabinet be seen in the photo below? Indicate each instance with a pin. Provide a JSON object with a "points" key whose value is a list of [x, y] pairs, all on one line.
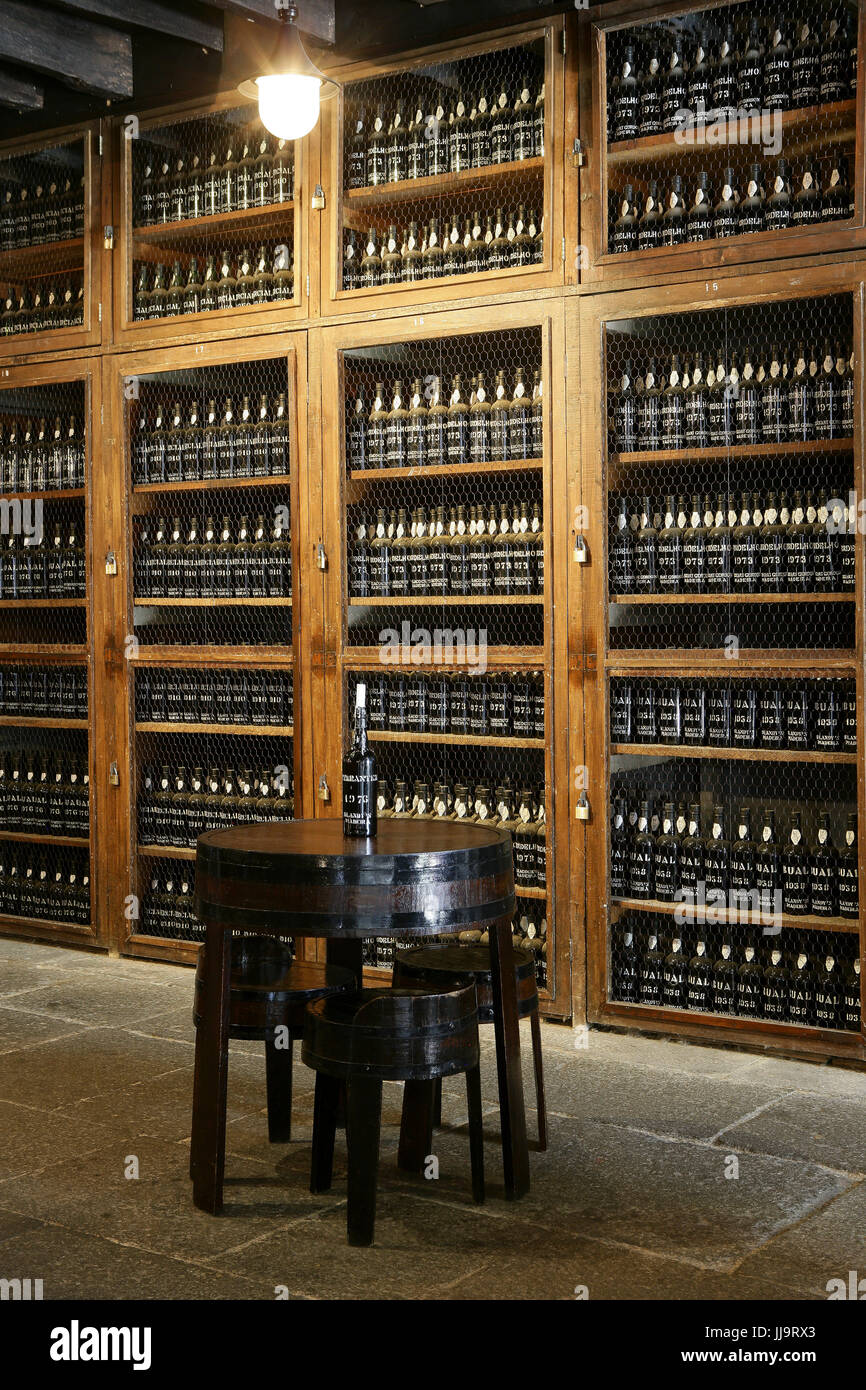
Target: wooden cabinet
{"points": [[779, 174], [440, 147], [52, 294], [725, 652], [54, 790], [210, 605], [443, 590], [212, 224]]}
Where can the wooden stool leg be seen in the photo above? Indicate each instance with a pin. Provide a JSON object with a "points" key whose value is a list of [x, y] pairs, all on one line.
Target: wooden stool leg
{"points": [[324, 1129], [476, 1132], [540, 1103], [278, 1071], [512, 1112], [363, 1121], [208, 1147], [416, 1125], [437, 1103]]}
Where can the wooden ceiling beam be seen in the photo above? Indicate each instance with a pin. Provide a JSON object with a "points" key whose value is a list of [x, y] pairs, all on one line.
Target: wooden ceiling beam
{"points": [[316, 18], [90, 57], [17, 92], [201, 27]]}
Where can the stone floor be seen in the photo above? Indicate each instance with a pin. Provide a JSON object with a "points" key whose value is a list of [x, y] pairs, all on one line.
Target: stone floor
{"points": [[673, 1171]]}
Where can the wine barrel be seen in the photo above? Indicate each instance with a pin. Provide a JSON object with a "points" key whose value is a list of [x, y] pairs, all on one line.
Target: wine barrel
{"points": [[394, 1034], [304, 878], [432, 967]]}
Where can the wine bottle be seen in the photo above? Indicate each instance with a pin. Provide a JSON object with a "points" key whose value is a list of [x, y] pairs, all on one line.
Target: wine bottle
{"points": [[359, 776]]}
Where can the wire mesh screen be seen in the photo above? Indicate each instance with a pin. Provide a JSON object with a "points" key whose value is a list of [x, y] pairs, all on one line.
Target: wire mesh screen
{"points": [[731, 121], [803, 978], [213, 216], [731, 521], [443, 169], [212, 554], [445, 516], [42, 211]]}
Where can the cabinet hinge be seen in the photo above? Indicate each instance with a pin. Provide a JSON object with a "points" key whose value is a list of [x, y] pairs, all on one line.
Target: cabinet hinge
{"points": [[100, 311], [308, 286], [100, 142], [564, 41]]}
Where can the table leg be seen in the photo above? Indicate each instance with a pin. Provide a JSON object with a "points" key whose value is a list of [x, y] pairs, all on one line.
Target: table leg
{"points": [[211, 1075], [363, 1123], [278, 1075], [348, 953], [512, 1113]]}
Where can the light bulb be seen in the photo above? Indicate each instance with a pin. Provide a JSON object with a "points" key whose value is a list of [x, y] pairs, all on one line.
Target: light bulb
{"points": [[289, 104]]}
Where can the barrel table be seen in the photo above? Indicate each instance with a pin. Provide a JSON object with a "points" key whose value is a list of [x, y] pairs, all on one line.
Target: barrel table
{"points": [[306, 879]]}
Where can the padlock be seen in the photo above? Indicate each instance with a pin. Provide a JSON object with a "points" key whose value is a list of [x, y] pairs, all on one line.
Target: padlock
{"points": [[581, 553], [111, 563], [113, 775], [108, 237], [324, 789], [318, 198], [582, 809], [321, 556]]}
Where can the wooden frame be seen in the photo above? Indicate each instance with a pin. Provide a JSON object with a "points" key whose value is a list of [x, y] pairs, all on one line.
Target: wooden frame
{"points": [[337, 657], [121, 658], [189, 328], [601, 268], [68, 934], [588, 318], [96, 283], [463, 288]]}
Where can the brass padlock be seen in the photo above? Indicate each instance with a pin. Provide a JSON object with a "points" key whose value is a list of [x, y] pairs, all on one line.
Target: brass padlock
{"points": [[581, 553], [324, 789], [111, 563], [582, 809], [108, 237], [113, 775], [318, 198], [321, 556]]}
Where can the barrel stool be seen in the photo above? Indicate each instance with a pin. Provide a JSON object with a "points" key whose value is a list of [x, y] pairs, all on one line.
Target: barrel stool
{"points": [[431, 967], [374, 1035], [270, 990]]}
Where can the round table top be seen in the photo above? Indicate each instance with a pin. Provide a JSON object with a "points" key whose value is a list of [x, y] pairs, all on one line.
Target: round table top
{"points": [[307, 878]]}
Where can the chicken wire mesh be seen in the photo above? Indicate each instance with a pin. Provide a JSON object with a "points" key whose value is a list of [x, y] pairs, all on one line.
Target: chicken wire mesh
{"points": [[213, 216], [445, 512], [43, 196], [730, 121], [443, 169], [210, 455], [731, 517], [807, 979]]}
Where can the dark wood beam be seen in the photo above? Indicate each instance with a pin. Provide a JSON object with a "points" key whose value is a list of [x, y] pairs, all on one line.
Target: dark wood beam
{"points": [[316, 18], [201, 27], [90, 57], [17, 92]]}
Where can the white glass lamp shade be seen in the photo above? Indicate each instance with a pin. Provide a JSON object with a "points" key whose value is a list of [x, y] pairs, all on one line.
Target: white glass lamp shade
{"points": [[289, 104]]}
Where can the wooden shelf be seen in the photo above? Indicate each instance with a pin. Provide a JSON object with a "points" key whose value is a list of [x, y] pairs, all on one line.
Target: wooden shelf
{"points": [[44, 649], [211, 655], [450, 470], [439, 185], [654, 599], [722, 453], [212, 602], [213, 484], [197, 228], [781, 661], [698, 916], [56, 495], [452, 601], [497, 658], [540, 894], [38, 262], [739, 1029], [29, 721], [27, 924], [459, 740], [653, 148], [248, 730], [759, 755], [67, 841], [43, 603], [165, 852]]}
